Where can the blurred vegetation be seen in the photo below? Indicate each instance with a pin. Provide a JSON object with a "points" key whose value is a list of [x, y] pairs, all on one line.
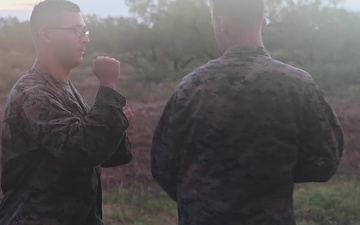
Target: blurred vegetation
{"points": [[336, 203], [166, 39], [135, 206], [331, 204]]}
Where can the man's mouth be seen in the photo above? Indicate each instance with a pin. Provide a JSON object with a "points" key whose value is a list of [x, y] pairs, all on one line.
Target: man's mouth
{"points": [[81, 51]]}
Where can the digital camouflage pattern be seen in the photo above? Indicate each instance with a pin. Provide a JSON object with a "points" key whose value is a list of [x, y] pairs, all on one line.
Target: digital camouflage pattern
{"points": [[237, 134], [53, 146]]}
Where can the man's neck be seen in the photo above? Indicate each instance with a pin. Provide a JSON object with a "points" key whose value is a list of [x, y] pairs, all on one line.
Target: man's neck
{"points": [[247, 40], [53, 67]]}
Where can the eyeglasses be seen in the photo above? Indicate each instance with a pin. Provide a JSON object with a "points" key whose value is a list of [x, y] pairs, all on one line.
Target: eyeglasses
{"points": [[78, 31]]}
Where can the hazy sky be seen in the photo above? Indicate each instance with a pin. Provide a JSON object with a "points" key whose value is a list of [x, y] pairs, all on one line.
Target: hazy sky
{"points": [[104, 8], [22, 8]]}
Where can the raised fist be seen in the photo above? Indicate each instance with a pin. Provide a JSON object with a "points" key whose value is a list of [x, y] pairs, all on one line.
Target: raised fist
{"points": [[107, 70]]}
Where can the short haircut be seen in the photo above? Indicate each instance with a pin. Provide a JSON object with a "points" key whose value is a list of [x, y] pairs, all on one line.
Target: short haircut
{"points": [[48, 13], [248, 11]]}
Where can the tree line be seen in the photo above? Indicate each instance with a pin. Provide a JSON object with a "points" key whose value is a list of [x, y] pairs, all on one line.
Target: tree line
{"points": [[165, 39]]}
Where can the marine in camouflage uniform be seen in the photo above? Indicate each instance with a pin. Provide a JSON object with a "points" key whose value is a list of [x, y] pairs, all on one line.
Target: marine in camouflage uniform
{"points": [[53, 144], [237, 134], [53, 147]]}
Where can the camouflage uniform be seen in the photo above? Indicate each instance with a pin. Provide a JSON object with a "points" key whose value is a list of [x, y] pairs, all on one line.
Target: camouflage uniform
{"points": [[237, 134], [53, 146]]}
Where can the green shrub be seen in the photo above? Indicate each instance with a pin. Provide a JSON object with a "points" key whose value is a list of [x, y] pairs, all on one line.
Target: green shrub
{"points": [[335, 203], [328, 204]]}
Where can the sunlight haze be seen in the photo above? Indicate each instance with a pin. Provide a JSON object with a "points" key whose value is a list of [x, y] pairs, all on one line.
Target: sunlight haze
{"points": [[104, 8]]}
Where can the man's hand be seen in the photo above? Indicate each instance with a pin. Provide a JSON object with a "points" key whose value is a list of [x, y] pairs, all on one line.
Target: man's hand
{"points": [[107, 70], [129, 114]]}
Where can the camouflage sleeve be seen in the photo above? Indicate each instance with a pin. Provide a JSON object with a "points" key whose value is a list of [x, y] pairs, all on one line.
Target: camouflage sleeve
{"points": [[164, 152], [122, 155], [76, 141], [321, 140]]}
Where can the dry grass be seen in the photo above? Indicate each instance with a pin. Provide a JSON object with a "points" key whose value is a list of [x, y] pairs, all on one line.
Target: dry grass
{"points": [[335, 203], [135, 206]]}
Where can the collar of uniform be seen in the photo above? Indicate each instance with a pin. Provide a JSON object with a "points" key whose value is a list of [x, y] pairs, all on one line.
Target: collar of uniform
{"points": [[247, 50], [37, 68]]}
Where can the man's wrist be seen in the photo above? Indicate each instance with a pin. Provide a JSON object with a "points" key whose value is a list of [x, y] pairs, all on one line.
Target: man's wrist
{"points": [[109, 96]]}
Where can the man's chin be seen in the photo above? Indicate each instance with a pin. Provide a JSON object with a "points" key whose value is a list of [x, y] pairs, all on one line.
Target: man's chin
{"points": [[74, 63], [78, 61]]}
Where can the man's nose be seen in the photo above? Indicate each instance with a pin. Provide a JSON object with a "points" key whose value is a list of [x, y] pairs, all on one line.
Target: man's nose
{"points": [[85, 39]]}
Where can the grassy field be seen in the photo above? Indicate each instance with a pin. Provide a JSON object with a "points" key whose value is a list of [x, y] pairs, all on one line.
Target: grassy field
{"points": [[139, 206], [336, 203]]}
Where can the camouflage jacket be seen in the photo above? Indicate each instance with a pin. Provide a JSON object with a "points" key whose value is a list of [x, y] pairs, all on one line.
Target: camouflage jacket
{"points": [[237, 134], [53, 146]]}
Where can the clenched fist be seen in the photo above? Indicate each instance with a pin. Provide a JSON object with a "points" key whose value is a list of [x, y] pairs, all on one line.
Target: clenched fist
{"points": [[107, 70]]}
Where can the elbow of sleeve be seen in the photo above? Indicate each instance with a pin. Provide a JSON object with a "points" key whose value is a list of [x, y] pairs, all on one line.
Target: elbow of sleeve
{"points": [[122, 156], [118, 160], [127, 159], [324, 176], [101, 155], [329, 173], [316, 179], [97, 160], [75, 155], [314, 174]]}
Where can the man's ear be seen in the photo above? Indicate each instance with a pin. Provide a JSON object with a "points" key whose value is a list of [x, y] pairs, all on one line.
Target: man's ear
{"points": [[264, 25], [44, 36]]}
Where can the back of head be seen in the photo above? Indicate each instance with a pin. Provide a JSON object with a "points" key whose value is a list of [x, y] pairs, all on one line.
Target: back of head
{"points": [[238, 22], [242, 12], [48, 13]]}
